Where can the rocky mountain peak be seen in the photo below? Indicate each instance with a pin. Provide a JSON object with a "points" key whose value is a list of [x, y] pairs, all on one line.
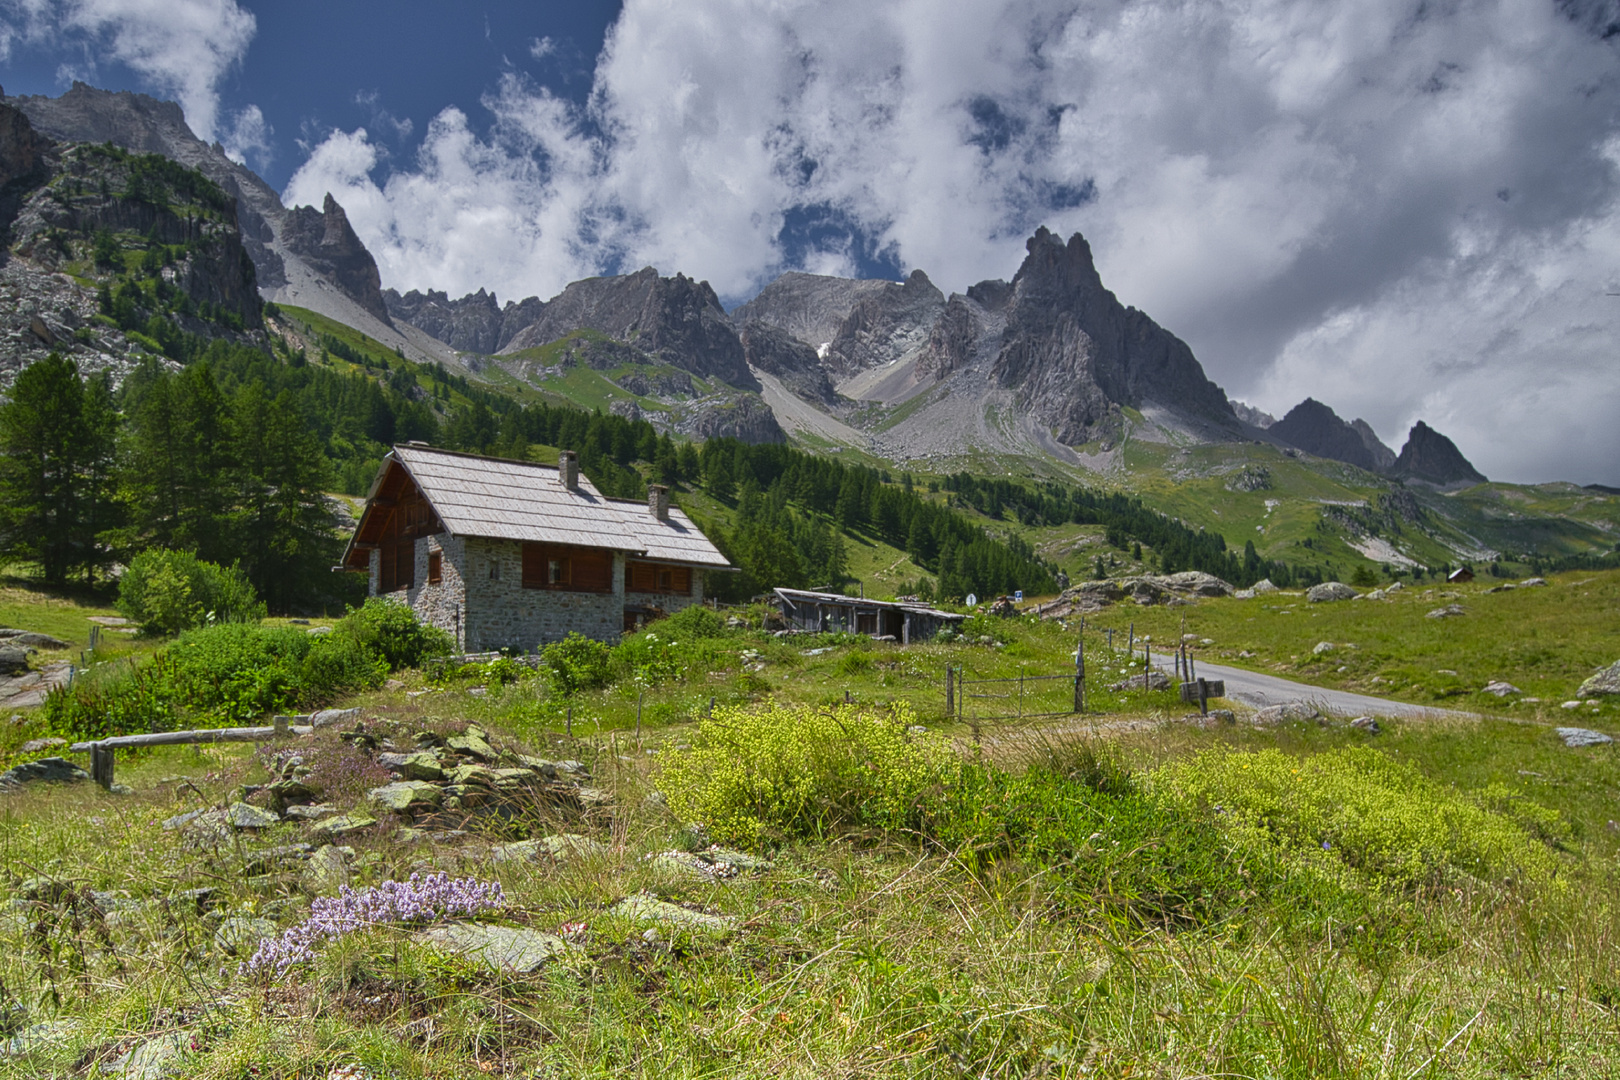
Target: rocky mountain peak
{"points": [[1316, 429], [1431, 458], [1076, 355], [885, 324], [810, 307], [327, 242]]}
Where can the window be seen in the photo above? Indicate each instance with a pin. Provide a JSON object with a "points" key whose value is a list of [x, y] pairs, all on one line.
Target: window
{"points": [[653, 578], [494, 569], [546, 566], [435, 568]]}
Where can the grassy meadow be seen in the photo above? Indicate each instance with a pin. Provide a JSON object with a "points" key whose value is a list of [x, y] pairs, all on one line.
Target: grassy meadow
{"points": [[1119, 894]]}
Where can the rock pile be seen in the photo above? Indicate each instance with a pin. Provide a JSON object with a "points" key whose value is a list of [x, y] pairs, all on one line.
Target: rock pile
{"points": [[1146, 590]]}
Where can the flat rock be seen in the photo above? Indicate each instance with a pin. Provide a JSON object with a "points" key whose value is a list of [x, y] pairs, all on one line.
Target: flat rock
{"points": [[35, 1037], [153, 1059], [645, 907], [34, 746], [30, 640], [1323, 647], [1450, 611], [1606, 683], [1156, 680], [1532, 583], [684, 862], [328, 717], [740, 860], [556, 848], [406, 796], [50, 768], [420, 765], [13, 660], [1367, 724], [241, 815], [1500, 688], [1574, 736], [271, 859], [499, 948], [1329, 591], [472, 746], [1292, 710], [343, 824], [310, 812], [240, 935]]}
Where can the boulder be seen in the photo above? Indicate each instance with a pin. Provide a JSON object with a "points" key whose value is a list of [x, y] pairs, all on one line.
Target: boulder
{"points": [[34, 746], [50, 768], [13, 660], [645, 907], [1533, 583], [241, 815], [1367, 724], [1293, 710], [472, 746], [310, 812], [1198, 583], [1263, 586], [344, 824], [1323, 647], [29, 640], [327, 871], [153, 1059], [498, 948], [1500, 688], [1605, 683], [421, 765], [1329, 591], [406, 796], [1450, 611], [1574, 736], [328, 717]]}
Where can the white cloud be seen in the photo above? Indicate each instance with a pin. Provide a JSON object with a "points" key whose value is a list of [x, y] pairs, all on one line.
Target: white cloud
{"points": [[182, 48], [1402, 210], [249, 134], [542, 47]]}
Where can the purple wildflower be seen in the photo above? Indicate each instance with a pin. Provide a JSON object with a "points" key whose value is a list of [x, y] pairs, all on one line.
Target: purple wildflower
{"points": [[418, 900]]}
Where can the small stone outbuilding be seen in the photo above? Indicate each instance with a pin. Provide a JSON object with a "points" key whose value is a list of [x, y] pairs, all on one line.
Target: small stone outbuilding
{"points": [[514, 554], [883, 619]]}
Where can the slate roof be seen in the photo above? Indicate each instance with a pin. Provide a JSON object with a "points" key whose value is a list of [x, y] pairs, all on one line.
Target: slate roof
{"points": [[519, 500]]}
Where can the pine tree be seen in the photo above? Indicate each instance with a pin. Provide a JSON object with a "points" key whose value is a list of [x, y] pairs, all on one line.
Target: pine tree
{"points": [[51, 501]]}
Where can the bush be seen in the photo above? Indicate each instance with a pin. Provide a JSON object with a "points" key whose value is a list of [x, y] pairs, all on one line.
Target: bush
{"points": [[578, 663], [335, 665], [390, 632], [692, 623], [166, 592], [1365, 812], [792, 771]]}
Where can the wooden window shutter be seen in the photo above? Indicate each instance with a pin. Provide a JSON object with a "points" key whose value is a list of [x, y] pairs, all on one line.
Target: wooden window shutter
{"points": [[592, 571]]}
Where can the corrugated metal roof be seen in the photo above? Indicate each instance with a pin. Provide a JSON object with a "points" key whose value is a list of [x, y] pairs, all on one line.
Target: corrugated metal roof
{"points": [[519, 500], [794, 597]]}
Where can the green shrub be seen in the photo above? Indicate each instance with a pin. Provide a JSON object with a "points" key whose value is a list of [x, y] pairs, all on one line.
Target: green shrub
{"points": [[650, 657], [578, 663], [1363, 811], [391, 632], [788, 771], [692, 623], [166, 592], [335, 665]]}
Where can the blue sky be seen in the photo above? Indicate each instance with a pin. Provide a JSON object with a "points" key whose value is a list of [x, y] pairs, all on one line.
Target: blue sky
{"points": [[1405, 209]]}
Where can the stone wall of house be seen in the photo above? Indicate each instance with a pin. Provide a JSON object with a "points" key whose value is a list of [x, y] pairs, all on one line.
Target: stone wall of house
{"points": [[492, 610], [501, 613]]}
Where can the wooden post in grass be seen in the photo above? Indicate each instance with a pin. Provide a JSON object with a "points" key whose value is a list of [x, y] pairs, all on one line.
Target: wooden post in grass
{"points": [[1147, 663], [846, 697], [1080, 672], [711, 706], [1203, 698], [282, 725], [568, 722], [950, 691], [639, 698], [101, 764]]}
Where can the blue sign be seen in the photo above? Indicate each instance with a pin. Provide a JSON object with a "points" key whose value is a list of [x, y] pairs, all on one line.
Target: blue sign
{"points": [[1019, 595]]}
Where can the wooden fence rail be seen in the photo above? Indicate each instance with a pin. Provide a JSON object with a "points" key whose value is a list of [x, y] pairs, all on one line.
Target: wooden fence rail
{"points": [[102, 750]]}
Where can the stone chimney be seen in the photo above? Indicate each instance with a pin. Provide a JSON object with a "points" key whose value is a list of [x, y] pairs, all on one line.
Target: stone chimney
{"points": [[568, 469], [658, 501]]}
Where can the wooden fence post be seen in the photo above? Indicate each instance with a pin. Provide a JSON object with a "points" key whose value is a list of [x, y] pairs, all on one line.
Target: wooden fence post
{"points": [[950, 692], [101, 765], [1080, 674], [568, 723], [1147, 663]]}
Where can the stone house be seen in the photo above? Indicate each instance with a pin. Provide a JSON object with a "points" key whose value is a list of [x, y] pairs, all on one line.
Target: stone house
{"points": [[513, 554]]}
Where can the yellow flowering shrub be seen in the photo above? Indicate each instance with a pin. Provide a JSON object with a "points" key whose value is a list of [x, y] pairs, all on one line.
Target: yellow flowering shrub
{"points": [[1367, 812], [751, 775]]}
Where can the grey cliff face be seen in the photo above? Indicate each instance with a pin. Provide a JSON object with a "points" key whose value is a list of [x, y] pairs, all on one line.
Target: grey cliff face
{"points": [[471, 324], [809, 307], [1075, 354], [773, 350], [20, 148], [1430, 457], [327, 242], [1383, 457], [146, 125], [674, 320], [886, 324]]}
